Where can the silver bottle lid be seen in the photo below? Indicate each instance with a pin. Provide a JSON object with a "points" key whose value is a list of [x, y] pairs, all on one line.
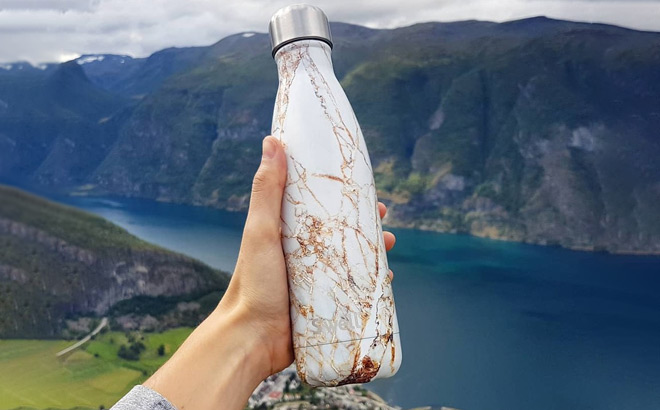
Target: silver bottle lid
{"points": [[298, 22]]}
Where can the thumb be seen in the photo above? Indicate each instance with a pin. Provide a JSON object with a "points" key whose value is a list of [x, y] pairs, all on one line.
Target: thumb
{"points": [[267, 190]]}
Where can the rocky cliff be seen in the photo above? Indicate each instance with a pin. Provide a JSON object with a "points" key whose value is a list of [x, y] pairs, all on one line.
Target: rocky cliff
{"points": [[58, 263]]}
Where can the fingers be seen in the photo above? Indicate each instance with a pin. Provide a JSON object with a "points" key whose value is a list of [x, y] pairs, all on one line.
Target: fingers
{"points": [[267, 190], [382, 209], [390, 240], [389, 237]]}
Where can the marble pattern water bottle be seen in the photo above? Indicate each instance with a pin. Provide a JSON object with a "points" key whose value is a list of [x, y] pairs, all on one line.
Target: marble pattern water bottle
{"points": [[342, 308]]}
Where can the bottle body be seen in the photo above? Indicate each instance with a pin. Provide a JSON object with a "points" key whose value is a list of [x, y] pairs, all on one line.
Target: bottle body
{"points": [[343, 317]]}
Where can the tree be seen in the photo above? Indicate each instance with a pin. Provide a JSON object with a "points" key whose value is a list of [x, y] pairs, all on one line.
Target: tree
{"points": [[131, 352]]}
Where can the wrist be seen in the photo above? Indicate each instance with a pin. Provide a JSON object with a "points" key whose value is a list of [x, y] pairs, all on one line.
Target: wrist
{"points": [[267, 329], [237, 324], [220, 364]]}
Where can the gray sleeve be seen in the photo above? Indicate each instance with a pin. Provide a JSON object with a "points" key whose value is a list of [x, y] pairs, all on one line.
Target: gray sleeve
{"points": [[143, 398]]}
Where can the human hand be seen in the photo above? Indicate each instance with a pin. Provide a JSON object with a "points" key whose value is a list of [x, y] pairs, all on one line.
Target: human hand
{"points": [[248, 336], [259, 282]]}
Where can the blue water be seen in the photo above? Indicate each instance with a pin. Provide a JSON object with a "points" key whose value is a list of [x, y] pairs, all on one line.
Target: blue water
{"points": [[485, 325]]}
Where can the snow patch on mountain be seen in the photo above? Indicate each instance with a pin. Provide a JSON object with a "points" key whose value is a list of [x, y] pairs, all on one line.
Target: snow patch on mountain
{"points": [[89, 59]]}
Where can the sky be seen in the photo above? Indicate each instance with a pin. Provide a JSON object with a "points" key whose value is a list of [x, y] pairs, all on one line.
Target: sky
{"points": [[59, 30]]}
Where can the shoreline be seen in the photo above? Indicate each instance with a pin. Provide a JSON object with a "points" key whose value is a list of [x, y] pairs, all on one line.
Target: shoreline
{"points": [[392, 224], [387, 223], [420, 225], [576, 248]]}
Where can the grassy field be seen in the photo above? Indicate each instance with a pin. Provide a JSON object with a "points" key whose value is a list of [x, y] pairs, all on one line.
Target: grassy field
{"points": [[32, 377]]}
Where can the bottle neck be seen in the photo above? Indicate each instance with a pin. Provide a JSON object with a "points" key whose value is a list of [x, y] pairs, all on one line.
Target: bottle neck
{"points": [[313, 54]]}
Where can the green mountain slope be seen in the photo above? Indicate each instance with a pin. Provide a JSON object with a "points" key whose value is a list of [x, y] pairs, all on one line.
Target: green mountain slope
{"points": [[534, 130], [58, 263], [55, 126]]}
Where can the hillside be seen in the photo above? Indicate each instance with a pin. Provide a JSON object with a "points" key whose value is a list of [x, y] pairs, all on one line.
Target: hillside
{"points": [[534, 130], [55, 125], [58, 264]]}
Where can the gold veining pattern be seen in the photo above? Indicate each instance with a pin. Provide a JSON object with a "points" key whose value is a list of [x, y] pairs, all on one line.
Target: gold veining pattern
{"points": [[342, 307]]}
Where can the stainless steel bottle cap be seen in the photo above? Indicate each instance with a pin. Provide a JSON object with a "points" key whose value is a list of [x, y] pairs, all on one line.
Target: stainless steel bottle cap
{"points": [[298, 22]]}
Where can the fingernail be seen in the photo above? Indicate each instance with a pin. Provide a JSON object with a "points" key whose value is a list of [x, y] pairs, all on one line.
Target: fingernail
{"points": [[268, 149]]}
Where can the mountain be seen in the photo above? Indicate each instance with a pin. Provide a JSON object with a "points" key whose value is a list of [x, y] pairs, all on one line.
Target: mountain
{"points": [[535, 130], [55, 126], [136, 77], [23, 67], [109, 71], [58, 264]]}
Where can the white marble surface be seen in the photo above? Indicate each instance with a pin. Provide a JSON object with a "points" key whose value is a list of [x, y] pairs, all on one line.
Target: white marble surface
{"points": [[342, 307]]}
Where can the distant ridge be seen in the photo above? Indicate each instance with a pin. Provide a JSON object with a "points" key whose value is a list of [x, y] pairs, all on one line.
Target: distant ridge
{"points": [[536, 130]]}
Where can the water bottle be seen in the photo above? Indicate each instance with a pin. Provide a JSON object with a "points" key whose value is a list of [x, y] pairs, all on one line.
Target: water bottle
{"points": [[343, 318]]}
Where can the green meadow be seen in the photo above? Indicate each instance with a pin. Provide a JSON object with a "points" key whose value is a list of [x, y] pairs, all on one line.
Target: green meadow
{"points": [[32, 377]]}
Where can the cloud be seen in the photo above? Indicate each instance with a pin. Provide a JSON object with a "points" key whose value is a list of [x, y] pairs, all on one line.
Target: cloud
{"points": [[61, 5], [55, 30]]}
